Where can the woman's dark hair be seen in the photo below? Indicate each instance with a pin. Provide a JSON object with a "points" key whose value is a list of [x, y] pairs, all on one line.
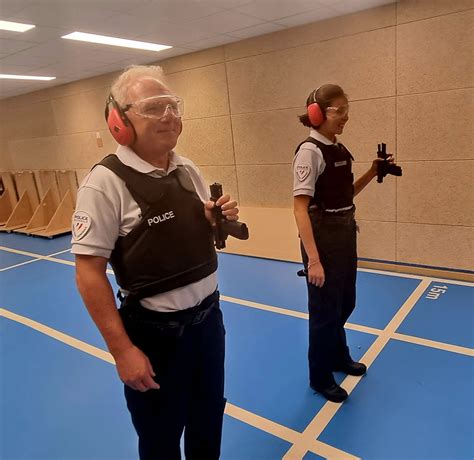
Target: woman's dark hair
{"points": [[323, 96]]}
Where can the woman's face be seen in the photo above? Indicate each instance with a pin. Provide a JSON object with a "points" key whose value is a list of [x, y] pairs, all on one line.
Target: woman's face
{"points": [[337, 116]]}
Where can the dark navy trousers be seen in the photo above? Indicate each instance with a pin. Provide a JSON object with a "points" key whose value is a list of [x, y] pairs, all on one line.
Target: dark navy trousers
{"points": [[189, 365], [330, 306]]}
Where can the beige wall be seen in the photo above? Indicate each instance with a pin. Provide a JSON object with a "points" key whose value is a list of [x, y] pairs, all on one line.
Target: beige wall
{"points": [[407, 68]]}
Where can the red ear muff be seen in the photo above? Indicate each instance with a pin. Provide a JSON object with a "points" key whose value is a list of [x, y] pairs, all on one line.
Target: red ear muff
{"points": [[315, 114], [119, 124]]}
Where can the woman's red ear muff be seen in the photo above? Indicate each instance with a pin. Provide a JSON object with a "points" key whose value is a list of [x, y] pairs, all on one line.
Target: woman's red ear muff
{"points": [[315, 114], [119, 124]]}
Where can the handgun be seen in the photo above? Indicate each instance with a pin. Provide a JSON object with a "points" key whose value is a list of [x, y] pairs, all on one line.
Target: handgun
{"points": [[223, 227], [385, 167]]}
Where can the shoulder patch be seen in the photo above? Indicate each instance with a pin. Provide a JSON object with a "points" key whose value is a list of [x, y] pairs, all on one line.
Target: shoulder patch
{"points": [[81, 223], [303, 171]]}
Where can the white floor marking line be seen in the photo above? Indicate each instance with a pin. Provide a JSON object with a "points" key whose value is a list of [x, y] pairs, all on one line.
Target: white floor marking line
{"points": [[434, 344], [19, 265], [60, 336], [261, 306], [247, 303], [329, 410], [293, 313], [367, 270], [236, 412], [283, 432], [41, 257], [37, 256], [31, 261], [417, 277], [396, 274]]}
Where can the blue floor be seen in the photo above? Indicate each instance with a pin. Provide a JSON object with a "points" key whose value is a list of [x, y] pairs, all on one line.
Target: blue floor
{"points": [[58, 402]]}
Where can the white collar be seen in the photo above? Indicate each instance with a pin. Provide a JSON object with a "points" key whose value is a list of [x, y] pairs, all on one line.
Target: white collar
{"points": [[319, 137], [128, 157]]}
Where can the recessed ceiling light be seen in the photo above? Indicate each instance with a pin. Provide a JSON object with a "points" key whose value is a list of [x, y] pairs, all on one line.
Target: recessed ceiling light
{"points": [[24, 77], [15, 26], [104, 40]]}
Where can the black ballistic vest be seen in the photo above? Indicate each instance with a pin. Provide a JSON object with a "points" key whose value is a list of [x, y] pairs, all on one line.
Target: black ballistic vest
{"points": [[334, 188], [173, 244]]}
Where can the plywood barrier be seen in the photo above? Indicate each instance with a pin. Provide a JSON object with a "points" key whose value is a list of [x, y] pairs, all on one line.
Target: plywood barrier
{"points": [[9, 184], [67, 181], [61, 220], [25, 182], [21, 214], [41, 216], [47, 182], [6, 207]]}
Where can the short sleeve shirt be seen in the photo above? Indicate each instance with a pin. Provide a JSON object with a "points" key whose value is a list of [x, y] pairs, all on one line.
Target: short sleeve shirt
{"points": [[106, 210], [308, 165]]}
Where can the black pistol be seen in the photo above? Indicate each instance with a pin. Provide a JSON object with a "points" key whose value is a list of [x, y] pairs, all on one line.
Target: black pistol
{"points": [[384, 167], [224, 227]]}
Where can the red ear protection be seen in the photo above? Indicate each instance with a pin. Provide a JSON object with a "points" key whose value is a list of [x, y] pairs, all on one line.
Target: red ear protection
{"points": [[119, 124], [315, 114]]}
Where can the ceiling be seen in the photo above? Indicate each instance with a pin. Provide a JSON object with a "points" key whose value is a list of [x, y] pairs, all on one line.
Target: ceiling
{"points": [[187, 25]]}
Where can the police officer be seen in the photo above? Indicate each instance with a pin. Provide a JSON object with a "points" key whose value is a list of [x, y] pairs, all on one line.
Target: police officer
{"points": [[146, 210], [323, 190]]}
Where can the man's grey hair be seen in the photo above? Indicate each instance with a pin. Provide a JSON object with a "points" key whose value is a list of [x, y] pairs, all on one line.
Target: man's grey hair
{"points": [[130, 75]]}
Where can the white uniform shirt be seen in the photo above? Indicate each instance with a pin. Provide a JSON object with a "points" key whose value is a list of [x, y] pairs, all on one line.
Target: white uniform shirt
{"points": [[308, 165], [107, 210]]}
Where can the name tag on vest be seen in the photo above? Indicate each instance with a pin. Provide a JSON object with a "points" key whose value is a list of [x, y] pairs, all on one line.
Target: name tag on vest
{"points": [[340, 163]]}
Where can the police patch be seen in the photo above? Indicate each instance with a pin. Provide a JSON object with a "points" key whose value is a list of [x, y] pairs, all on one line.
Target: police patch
{"points": [[302, 171], [81, 223]]}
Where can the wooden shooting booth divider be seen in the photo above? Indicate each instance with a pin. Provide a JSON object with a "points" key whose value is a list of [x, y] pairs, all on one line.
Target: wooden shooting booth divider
{"points": [[24, 209], [54, 213], [8, 198], [49, 193], [46, 203]]}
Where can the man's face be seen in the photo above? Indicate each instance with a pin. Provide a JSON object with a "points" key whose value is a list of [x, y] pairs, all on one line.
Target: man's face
{"points": [[153, 135]]}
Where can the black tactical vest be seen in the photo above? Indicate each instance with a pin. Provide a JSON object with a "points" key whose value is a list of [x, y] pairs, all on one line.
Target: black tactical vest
{"points": [[334, 188], [173, 244]]}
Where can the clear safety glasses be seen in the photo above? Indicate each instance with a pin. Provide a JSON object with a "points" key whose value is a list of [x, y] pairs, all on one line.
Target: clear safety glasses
{"points": [[158, 106], [340, 111]]}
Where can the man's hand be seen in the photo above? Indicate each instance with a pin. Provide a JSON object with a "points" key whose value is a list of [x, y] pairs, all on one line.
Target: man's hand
{"points": [[229, 209], [135, 370]]}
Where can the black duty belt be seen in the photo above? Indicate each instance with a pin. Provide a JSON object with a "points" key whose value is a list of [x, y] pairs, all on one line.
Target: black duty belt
{"points": [[133, 312]]}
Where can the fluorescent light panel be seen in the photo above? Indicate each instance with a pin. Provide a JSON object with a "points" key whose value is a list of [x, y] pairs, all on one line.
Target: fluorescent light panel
{"points": [[24, 77], [15, 26], [122, 42]]}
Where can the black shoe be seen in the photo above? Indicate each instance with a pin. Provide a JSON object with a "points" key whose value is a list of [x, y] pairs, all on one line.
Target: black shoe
{"points": [[352, 368], [332, 393]]}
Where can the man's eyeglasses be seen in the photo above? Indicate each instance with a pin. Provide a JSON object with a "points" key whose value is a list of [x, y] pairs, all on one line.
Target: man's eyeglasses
{"points": [[157, 107], [341, 111]]}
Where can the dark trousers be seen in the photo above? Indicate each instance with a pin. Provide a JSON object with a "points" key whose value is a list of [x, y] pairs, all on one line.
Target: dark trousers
{"points": [[189, 366], [330, 306]]}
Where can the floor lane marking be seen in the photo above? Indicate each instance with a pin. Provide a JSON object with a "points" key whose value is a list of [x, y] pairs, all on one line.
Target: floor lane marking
{"points": [[367, 270], [330, 409], [232, 410], [31, 261], [434, 344], [57, 335]]}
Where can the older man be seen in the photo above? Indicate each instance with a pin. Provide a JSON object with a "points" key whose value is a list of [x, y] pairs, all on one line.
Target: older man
{"points": [[147, 211]]}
